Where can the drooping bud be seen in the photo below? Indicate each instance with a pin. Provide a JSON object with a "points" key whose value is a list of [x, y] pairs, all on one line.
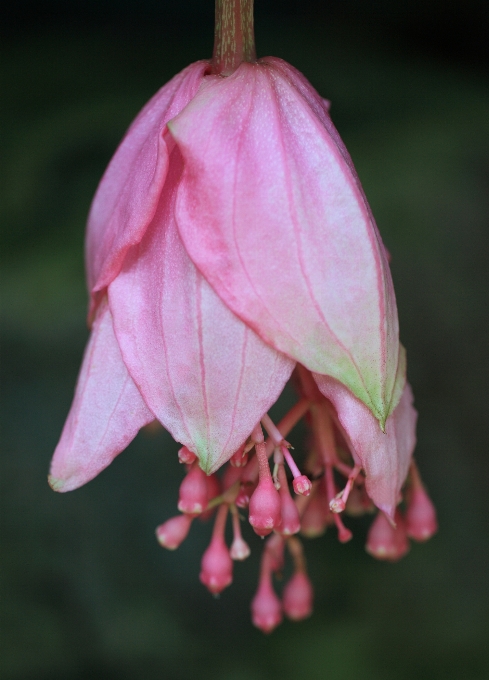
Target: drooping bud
{"points": [[186, 456], [291, 522], [213, 490], [298, 596], [421, 522], [314, 520], [298, 593], [174, 531], [193, 493], [358, 502], [244, 494], [266, 608], [239, 458], [240, 550], [216, 571], [385, 541], [265, 506]]}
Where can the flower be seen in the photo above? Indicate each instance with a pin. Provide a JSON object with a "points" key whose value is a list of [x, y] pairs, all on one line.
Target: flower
{"points": [[229, 246]]}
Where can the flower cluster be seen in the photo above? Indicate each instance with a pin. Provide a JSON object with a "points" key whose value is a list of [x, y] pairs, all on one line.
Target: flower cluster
{"points": [[319, 501], [230, 247]]}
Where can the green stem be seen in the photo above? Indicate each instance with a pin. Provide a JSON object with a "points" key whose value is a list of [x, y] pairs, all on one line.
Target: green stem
{"points": [[234, 36]]}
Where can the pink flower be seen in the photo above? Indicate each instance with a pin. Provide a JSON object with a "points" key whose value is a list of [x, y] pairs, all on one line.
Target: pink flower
{"points": [[232, 239], [229, 244]]}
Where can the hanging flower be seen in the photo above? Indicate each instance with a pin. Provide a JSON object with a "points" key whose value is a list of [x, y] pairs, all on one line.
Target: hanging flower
{"points": [[229, 246]]}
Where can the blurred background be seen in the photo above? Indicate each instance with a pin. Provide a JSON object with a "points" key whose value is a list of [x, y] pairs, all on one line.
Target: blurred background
{"points": [[86, 590]]}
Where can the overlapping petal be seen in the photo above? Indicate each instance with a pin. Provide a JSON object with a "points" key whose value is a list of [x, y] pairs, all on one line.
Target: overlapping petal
{"points": [[106, 413], [206, 375], [128, 194], [384, 456], [270, 212]]}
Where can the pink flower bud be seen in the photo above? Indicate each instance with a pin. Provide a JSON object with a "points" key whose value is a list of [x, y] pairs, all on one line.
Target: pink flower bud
{"points": [[264, 510], [291, 522], [193, 493], [213, 489], [302, 485], [266, 608], [298, 596], [216, 571], [265, 507], [174, 531], [421, 521], [186, 456], [239, 458], [386, 542], [240, 549], [314, 520]]}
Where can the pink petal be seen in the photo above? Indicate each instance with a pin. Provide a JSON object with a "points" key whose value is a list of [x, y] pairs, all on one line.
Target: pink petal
{"points": [[128, 194], [385, 457], [207, 377], [271, 212], [106, 413]]}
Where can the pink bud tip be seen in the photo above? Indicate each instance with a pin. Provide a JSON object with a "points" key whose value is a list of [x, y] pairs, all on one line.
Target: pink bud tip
{"points": [[193, 494], [265, 506], [186, 456], [239, 458], [266, 608], [297, 597], [216, 571], [244, 494], [314, 519], [302, 485], [240, 550], [344, 534], [421, 521], [337, 505], [386, 542], [174, 531], [291, 521]]}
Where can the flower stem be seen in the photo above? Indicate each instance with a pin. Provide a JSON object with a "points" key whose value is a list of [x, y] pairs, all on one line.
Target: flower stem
{"points": [[234, 36]]}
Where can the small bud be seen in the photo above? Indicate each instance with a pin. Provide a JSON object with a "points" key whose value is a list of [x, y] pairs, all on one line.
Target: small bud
{"points": [[314, 520], [193, 493], [358, 502], [297, 597], [244, 494], [213, 489], [337, 505], [421, 522], [291, 522], [174, 531], [240, 550], [302, 485], [186, 456], [266, 608], [216, 571], [344, 534], [265, 507], [385, 541], [239, 458]]}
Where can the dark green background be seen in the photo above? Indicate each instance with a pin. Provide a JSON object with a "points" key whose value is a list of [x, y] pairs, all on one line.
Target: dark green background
{"points": [[87, 592]]}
